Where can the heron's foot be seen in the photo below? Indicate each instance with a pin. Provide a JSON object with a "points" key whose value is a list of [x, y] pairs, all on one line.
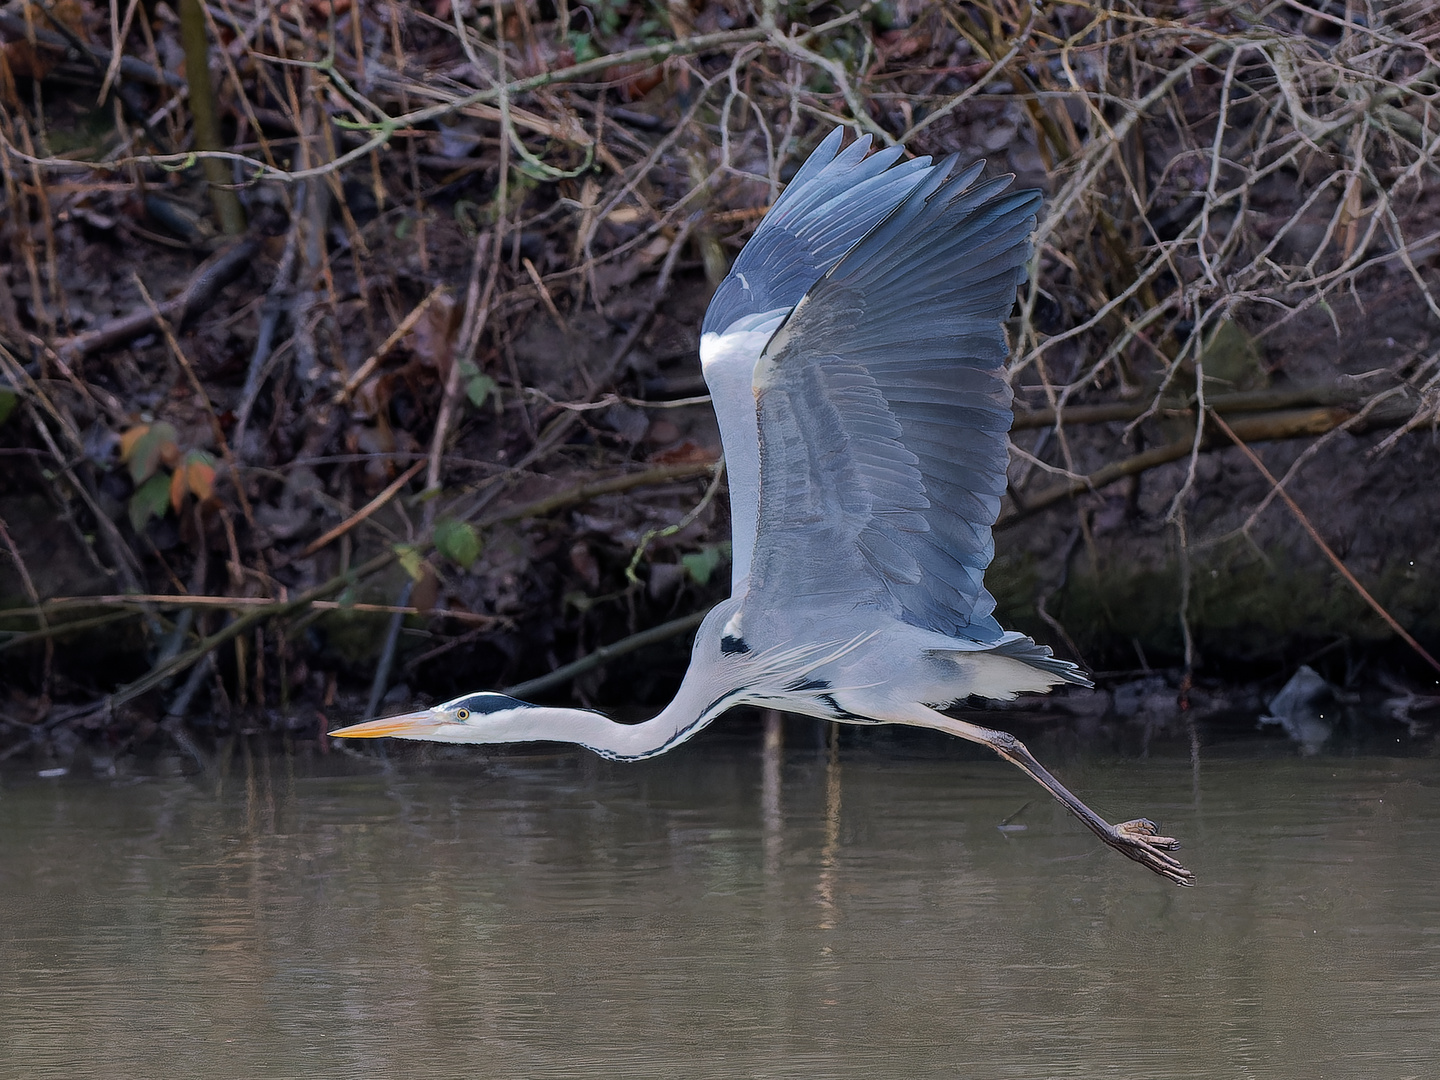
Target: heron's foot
{"points": [[1139, 840]]}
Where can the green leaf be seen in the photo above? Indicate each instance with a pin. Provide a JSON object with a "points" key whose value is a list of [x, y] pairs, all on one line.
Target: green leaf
{"points": [[8, 398], [150, 500], [145, 456], [477, 386], [583, 46], [410, 560], [700, 565], [478, 389], [458, 541]]}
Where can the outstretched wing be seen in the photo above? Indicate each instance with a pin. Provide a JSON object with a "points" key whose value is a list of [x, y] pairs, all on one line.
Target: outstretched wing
{"points": [[833, 201], [883, 414]]}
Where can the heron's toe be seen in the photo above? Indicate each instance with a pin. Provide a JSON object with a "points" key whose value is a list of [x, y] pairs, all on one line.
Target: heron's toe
{"points": [[1138, 840], [1146, 831]]}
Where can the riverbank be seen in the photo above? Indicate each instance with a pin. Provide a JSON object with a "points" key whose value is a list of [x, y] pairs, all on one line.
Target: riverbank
{"points": [[428, 417]]}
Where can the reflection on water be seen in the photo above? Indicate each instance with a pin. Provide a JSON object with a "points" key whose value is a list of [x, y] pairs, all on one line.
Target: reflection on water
{"points": [[720, 911]]}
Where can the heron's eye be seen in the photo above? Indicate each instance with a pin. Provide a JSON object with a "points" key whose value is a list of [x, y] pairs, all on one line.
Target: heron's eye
{"points": [[462, 714]]}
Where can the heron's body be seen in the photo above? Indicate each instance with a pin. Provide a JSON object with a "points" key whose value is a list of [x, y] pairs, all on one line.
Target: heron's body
{"points": [[855, 360]]}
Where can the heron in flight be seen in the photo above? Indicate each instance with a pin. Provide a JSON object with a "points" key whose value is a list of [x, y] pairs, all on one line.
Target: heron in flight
{"points": [[855, 360]]}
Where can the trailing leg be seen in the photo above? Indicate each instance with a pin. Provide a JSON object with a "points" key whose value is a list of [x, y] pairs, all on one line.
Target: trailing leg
{"points": [[1137, 839]]}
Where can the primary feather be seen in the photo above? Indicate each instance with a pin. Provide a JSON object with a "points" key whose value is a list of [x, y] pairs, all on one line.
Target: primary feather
{"points": [[836, 198], [884, 411]]}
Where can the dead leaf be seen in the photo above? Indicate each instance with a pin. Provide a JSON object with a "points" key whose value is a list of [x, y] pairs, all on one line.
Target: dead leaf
{"points": [[200, 478], [129, 438], [583, 562], [177, 489], [426, 591], [36, 61], [687, 453], [432, 339]]}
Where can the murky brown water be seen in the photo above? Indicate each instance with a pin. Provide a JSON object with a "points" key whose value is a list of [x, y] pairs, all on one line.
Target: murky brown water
{"points": [[702, 915]]}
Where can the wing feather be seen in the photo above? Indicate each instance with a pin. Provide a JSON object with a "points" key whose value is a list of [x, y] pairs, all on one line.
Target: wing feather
{"points": [[835, 199], [884, 412]]}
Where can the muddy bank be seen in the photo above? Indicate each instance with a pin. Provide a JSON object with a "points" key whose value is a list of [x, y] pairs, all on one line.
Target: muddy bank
{"points": [[430, 417]]}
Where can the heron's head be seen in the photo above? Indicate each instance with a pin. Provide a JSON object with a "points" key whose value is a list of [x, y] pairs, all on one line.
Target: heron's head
{"points": [[466, 719]]}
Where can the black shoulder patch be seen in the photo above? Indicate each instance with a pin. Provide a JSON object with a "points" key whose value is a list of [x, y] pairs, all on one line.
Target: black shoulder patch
{"points": [[799, 686], [732, 644], [846, 714]]}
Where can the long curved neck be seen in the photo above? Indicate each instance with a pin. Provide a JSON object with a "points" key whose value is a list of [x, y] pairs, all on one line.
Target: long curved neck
{"points": [[698, 701]]}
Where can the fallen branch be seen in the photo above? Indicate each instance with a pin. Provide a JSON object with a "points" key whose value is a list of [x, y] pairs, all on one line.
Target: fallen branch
{"points": [[1244, 401], [159, 674], [209, 278], [159, 600], [1292, 424], [660, 474], [132, 68], [606, 653], [1262, 427]]}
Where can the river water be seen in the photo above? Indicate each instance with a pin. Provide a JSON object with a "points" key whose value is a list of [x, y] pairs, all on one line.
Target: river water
{"points": [[718, 912]]}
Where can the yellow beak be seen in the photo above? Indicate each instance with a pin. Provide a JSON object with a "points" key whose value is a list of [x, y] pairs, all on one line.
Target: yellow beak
{"points": [[406, 725]]}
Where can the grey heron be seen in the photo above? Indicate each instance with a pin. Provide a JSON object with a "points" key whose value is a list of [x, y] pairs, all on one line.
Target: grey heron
{"points": [[855, 357]]}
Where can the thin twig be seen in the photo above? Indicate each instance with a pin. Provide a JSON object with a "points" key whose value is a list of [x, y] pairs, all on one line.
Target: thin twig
{"points": [[477, 314], [373, 360], [1304, 521], [364, 512], [30, 591], [162, 600]]}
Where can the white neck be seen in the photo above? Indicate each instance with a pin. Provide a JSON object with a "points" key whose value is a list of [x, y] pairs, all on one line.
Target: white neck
{"points": [[694, 706]]}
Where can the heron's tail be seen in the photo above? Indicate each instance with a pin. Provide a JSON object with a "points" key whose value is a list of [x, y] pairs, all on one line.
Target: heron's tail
{"points": [[1038, 656], [1002, 669]]}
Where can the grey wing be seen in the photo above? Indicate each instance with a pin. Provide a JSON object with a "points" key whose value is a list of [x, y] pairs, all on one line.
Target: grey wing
{"points": [[883, 417], [835, 199]]}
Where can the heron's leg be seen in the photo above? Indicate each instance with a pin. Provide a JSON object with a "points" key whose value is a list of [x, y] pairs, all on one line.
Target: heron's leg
{"points": [[1136, 839]]}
